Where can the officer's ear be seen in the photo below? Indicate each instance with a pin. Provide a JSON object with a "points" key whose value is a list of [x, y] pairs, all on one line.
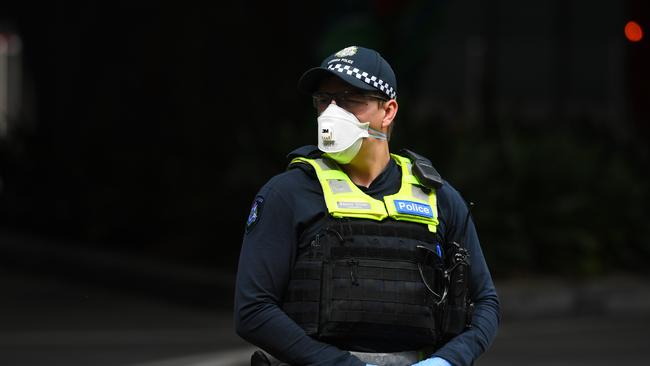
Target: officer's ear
{"points": [[390, 112]]}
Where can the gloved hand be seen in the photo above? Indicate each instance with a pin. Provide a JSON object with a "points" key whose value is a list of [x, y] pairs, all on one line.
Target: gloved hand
{"points": [[434, 361]]}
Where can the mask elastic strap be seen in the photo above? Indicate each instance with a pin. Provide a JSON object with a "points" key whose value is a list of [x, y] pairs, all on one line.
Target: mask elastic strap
{"points": [[376, 134]]}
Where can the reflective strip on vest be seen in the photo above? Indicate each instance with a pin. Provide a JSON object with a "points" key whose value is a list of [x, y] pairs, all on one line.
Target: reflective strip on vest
{"points": [[344, 199]]}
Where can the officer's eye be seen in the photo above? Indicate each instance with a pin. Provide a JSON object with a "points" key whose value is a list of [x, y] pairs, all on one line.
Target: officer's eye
{"points": [[353, 99]]}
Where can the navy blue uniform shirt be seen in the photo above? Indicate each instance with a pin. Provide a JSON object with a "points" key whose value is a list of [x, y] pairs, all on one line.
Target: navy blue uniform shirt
{"points": [[291, 205]]}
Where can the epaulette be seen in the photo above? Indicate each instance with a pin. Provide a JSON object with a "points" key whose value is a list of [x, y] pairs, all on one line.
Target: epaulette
{"points": [[423, 170]]}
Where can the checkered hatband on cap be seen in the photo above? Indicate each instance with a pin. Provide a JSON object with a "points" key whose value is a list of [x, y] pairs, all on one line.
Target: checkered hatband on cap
{"points": [[366, 78]]}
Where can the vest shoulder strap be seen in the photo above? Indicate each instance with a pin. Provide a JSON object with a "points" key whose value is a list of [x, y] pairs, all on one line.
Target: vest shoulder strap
{"points": [[307, 151]]}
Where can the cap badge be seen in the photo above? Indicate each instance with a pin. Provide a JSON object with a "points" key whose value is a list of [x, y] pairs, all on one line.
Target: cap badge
{"points": [[348, 51]]}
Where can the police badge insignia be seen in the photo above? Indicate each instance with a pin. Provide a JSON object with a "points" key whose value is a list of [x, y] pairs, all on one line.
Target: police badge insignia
{"points": [[256, 210], [348, 51]]}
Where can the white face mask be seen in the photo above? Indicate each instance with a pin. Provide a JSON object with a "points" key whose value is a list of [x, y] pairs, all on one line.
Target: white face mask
{"points": [[341, 134]]}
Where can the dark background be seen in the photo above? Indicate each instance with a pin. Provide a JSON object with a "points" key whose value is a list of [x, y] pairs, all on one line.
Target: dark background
{"points": [[143, 130]]}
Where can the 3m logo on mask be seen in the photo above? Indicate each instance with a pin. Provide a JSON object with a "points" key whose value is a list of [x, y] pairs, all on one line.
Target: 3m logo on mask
{"points": [[327, 137], [413, 208]]}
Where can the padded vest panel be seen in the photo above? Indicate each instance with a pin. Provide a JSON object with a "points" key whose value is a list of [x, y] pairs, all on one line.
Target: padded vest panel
{"points": [[359, 279]]}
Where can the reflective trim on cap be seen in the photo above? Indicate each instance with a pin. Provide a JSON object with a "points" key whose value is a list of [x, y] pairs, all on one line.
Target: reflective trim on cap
{"points": [[365, 77]]}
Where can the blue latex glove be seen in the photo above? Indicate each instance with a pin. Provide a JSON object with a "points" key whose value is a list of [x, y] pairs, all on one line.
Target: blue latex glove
{"points": [[434, 361]]}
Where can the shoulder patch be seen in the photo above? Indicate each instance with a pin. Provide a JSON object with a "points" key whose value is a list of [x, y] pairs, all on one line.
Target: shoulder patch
{"points": [[256, 211]]}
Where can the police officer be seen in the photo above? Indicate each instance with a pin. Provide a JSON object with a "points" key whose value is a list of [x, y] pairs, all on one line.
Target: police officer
{"points": [[355, 255]]}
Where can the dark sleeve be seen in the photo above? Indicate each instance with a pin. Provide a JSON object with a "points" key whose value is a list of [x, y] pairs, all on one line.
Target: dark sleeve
{"points": [[267, 256], [463, 349]]}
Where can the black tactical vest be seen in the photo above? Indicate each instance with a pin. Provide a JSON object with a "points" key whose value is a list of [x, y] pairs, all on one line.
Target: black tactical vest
{"points": [[360, 281]]}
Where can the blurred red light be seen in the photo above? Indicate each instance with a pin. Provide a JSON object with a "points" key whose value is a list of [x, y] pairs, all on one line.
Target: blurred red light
{"points": [[633, 31]]}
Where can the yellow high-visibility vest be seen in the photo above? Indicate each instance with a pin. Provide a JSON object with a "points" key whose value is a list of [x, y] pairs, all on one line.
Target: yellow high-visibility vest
{"points": [[413, 202]]}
